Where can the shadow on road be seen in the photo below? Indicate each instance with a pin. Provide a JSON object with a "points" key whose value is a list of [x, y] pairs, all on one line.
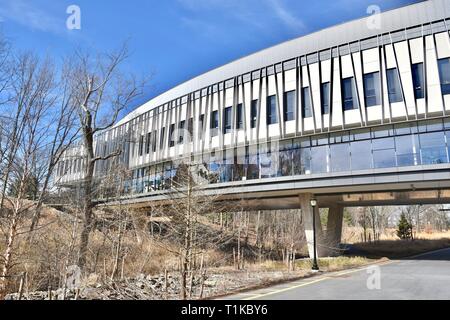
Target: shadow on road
{"points": [[418, 249]]}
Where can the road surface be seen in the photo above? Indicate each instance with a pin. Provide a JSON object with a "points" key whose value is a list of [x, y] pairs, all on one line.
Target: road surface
{"points": [[424, 277]]}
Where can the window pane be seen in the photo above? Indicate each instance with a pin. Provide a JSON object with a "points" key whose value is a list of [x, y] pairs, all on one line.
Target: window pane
{"points": [[227, 115], [286, 162], [252, 167], [448, 141], [271, 110], [214, 123], [349, 96], [181, 132], [171, 137], [289, 105], [407, 150], [154, 137], [161, 138], [240, 116], [433, 148], [372, 89], [444, 74], [319, 159], [148, 143], [141, 145], [200, 126], [306, 103], [254, 114], [269, 165], [394, 88], [305, 161], [325, 97], [383, 153], [361, 155], [418, 80], [340, 157]]}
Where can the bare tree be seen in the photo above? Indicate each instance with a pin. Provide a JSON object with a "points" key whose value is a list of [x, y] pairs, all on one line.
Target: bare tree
{"points": [[99, 93], [32, 89], [62, 131], [185, 208]]}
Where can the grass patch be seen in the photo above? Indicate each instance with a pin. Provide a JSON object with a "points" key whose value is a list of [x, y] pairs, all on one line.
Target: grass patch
{"points": [[325, 264], [335, 264]]}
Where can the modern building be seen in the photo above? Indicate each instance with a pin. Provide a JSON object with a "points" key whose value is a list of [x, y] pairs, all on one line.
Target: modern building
{"points": [[356, 114]]}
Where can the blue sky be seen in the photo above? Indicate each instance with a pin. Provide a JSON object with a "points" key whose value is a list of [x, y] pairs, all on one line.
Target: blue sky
{"points": [[174, 40]]}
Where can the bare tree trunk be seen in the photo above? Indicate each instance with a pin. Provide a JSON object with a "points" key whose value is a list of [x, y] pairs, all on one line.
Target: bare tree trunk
{"points": [[8, 252]]}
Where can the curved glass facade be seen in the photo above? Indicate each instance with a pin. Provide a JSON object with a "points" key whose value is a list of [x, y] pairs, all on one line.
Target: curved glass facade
{"points": [[401, 145]]}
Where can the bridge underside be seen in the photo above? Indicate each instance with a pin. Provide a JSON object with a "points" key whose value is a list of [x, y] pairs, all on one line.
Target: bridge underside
{"points": [[380, 187], [333, 192]]}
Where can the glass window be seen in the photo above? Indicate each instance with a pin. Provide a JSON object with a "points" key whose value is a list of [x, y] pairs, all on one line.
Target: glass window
{"points": [[433, 148], [381, 132], [384, 153], [190, 127], [226, 173], [320, 140], [214, 123], [360, 134], [319, 159], [448, 142], [271, 110], [430, 126], [418, 80], [325, 97], [240, 116], [405, 128], [252, 166], [254, 114], [305, 161], [267, 165], [141, 145], [372, 89], [361, 155], [181, 131], [161, 138], [306, 103], [289, 105], [349, 95], [296, 161], [340, 157], [407, 148], [201, 123], [286, 162], [154, 135], [444, 74], [227, 116], [148, 143], [394, 88], [171, 137]]}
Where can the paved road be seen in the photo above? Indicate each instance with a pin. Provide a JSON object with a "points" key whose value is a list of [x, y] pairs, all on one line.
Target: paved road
{"points": [[425, 277]]}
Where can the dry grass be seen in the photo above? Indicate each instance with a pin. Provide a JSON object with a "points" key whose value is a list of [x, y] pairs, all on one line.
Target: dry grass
{"points": [[326, 264], [390, 246], [354, 235], [336, 264]]}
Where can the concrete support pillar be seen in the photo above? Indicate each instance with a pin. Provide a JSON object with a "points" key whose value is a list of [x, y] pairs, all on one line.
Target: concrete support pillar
{"points": [[307, 215], [334, 228]]}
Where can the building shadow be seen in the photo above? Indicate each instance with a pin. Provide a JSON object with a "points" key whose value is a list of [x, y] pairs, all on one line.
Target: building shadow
{"points": [[418, 249]]}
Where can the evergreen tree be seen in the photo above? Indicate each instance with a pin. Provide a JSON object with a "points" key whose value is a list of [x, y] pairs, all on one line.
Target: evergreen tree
{"points": [[404, 229]]}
